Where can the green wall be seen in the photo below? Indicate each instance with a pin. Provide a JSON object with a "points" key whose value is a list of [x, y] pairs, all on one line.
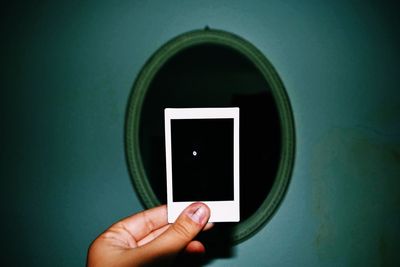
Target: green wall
{"points": [[67, 68]]}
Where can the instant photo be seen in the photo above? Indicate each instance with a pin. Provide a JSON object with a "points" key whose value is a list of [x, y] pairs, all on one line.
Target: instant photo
{"points": [[202, 161]]}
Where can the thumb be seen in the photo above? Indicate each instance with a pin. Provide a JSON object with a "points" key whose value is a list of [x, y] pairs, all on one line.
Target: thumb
{"points": [[189, 223]]}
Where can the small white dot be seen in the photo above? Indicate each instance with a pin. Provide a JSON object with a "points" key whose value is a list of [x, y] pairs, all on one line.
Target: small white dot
{"points": [[194, 153]]}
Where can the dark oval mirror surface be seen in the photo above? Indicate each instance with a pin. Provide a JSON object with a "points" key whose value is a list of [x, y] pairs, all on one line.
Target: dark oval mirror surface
{"points": [[215, 76]]}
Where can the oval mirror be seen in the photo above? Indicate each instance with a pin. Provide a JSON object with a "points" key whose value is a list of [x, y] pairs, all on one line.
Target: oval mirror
{"points": [[210, 68]]}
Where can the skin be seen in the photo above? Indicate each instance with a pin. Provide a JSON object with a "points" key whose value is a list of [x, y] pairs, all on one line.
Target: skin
{"points": [[146, 238]]}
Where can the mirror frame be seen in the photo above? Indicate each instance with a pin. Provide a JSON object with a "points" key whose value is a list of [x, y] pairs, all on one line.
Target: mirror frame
{"points": [[247, 228]]}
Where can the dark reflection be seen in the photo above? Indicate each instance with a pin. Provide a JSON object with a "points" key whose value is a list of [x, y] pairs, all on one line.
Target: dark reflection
{"points": [[216, 76], [260, 141]]}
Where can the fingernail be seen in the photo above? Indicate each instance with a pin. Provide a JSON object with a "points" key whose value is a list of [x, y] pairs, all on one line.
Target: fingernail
{"points": [[199, 215]]}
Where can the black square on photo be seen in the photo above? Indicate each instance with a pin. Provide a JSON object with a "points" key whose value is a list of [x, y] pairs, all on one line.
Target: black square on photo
{"points": [[202, 159]]}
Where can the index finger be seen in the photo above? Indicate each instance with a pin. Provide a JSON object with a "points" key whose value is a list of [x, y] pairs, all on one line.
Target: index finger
{"points": [[143, 223]]}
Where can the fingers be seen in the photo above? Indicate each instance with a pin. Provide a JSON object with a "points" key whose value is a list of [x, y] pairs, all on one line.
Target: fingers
{"points": [[208, 226], [153, 235], [146, 222], [178, 236], [191, 221], [195, 247], [147, 225]]}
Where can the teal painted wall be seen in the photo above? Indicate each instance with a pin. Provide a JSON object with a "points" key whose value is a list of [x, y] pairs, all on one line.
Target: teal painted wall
{"points": [[67, 69]]}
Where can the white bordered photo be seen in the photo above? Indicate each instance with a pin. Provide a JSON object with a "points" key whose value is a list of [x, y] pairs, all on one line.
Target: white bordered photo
{"points": [[202, 161]]}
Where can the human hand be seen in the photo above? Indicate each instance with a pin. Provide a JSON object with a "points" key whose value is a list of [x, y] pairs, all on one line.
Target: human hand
{"points": [[146, 238]]}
